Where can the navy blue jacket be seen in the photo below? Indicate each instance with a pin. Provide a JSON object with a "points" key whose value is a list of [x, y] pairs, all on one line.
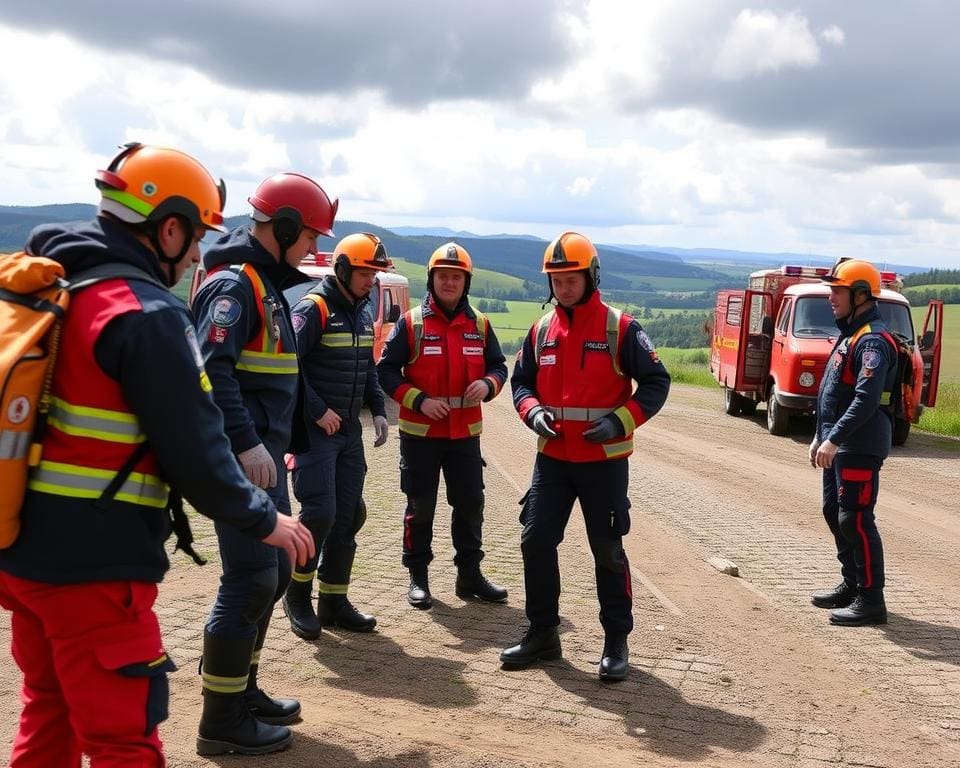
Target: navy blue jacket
{"points": [[850, 415], [257, 407], [148, 352], [340, 375]]}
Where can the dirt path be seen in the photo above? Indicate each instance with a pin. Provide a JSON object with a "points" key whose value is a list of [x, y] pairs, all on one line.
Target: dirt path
{"points": [[726, 671]]}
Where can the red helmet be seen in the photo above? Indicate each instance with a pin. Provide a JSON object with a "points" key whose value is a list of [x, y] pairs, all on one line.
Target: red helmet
{"points": [[294, 198]]}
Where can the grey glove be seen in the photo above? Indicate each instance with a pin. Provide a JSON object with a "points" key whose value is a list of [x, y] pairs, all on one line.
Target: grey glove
{"points": [[540, 420], [259, 466], [380, 428], [606, 428]]}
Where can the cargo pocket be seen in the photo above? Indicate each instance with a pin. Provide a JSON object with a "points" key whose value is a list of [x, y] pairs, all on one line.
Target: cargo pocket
{"points": [[523, 507], [139, 657], [620, 518]]}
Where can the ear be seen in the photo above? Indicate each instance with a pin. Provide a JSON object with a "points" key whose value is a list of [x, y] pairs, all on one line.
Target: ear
{"points": [[170, 231]]}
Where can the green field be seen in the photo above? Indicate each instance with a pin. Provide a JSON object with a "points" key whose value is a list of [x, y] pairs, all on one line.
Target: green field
{"points": [[950, 356], [512, 325]]}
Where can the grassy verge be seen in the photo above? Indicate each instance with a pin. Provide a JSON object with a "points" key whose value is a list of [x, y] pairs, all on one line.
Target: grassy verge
{"points": [[945, 418], [688, 366]]}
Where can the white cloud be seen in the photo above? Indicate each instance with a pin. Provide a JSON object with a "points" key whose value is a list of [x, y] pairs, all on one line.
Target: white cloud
{"points": [[763, 41], [833, 35]]}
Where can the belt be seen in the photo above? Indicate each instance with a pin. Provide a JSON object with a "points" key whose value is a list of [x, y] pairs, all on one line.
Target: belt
{"points": [[578, 414]]}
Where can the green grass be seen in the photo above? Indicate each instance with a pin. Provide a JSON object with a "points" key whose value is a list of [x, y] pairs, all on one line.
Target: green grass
{"points": [[950, 356], [944, 419], [688, 366], [673, 284], [513, 325]]}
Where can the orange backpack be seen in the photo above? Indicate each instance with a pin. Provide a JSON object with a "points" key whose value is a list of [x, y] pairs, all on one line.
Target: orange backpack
{"points": [[34, 296]]}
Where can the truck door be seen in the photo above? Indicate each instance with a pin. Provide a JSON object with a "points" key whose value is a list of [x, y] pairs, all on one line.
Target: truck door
{"points": [[728, 313], [756, 335], [930, 347]]}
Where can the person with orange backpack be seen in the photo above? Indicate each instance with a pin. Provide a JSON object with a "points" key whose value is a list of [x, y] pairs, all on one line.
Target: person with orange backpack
{"points": [[334, 327], [441, 361], [250, 351], [130, 416], [573, 386]]}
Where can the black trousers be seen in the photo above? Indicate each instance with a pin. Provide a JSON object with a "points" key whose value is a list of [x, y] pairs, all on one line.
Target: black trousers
{"points": [[421, 461], [850, 489], [601, 487]]}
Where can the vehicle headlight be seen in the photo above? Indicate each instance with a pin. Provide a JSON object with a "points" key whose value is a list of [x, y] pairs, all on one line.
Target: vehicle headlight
{"points": [[807, 379]]}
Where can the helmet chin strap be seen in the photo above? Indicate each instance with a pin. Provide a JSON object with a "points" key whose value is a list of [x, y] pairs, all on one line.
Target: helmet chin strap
{"points": [[170, 265]]}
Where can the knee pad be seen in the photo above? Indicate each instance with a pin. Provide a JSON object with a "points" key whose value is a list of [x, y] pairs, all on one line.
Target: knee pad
{"points": [[261, 590]]}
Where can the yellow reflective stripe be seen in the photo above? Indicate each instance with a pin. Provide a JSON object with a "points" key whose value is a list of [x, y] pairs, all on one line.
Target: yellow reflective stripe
{"points": [[99, 423], [414, 428], [303, 578], [613, 337], [331, 589], [267, 362], [626, 418], [157, 662], [475, 428], [255, 658], [13, 445], [89, 483], [260, 293], [365, 341], [612, 450], [410, 397], [220, 684], [885, 398], [337, 340]]}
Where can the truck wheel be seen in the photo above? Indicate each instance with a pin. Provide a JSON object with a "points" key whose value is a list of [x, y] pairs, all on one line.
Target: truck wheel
{"points": [[731, 402], [778, 417], [901, 430]]}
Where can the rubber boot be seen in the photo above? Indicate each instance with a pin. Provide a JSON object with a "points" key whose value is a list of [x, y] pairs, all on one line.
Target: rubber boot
{"points": [[418, 594], [471, 583], [338, 611], [262, 706], [538, 644], [299, 609], [868, 607], [614, 664], [839, 597], [226, 724]]}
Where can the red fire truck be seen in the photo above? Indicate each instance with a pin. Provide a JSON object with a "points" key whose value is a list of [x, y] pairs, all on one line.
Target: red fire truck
{"points": [[771, 343], [389, 298]]}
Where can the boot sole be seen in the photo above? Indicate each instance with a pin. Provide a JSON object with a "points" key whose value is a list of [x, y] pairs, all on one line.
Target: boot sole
{"points": [[464, 595], [349, 628], [207, 747], [303, 633], [550, 655], [858, 622], [830, 603], [423, 605]]}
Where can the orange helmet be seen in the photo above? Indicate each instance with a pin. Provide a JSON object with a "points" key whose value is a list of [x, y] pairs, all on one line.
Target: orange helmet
{"points": [[572, 252], [857, 275], [362, 251], [145, 183], [451, 256]]}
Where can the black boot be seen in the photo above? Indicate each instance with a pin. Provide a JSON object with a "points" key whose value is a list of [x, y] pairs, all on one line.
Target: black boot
{"points": [[226, 724], [867, 607], [471, 583], [336, 610], [839, 597], [263, 707], [299, 609], [418, 594], [616, 656], [539, 643]]}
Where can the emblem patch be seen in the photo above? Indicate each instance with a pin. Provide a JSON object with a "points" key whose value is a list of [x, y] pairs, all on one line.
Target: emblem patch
{"points": [[217, 334], [871, 358], [473, 351], [225, 311], [298, 321], [433, 350], [548, 360], [18, 410]]}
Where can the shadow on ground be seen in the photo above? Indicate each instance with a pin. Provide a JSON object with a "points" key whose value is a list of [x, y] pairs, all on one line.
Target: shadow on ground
{"points": [[923, 639], [308, 751]]}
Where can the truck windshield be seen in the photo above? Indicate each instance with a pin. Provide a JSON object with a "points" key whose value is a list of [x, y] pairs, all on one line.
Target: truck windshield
{"points": [[897, 318], [813, 318]]}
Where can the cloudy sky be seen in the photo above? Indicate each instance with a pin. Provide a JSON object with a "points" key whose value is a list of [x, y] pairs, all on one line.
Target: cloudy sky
{"points": [[826, 127]]}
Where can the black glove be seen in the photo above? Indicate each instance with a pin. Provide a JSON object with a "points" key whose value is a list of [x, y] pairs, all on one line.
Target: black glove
{"points": [[606, 428], [540, 420]]}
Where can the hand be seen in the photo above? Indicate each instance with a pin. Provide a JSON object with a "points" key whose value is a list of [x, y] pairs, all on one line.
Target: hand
{"points": [[603, 429], [380, 428], [259, 466], [812, 453], [825, 455], [329, 422], [540, 420], [434, 409], [475, 392], [292, 536]]}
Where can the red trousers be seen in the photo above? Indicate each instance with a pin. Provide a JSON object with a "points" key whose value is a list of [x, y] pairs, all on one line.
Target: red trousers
{"points": [[94, 673]]}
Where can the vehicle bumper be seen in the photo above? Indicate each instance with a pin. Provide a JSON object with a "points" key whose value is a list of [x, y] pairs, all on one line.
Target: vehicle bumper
{"points": [[796, 402]]}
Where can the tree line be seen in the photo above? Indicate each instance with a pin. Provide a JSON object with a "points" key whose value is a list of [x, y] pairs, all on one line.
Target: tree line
{"points": [[933, 277]]}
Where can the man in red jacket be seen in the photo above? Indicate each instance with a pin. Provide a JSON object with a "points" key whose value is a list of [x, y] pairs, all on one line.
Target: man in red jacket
{"points": [[573, 386], [440, 362]]}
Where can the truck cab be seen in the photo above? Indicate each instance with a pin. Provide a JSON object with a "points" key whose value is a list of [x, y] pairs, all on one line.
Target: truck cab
{"points": [[389, 297], [771, 344]]}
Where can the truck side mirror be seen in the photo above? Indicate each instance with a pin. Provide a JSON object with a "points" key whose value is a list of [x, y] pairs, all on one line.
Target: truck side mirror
{"points": [[927, 341], [394, 313]]}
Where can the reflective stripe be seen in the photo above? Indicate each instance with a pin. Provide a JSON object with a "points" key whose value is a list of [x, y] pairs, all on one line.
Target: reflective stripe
{"points": [[414, 428], [885, 398], [89, 483], [100, 423], [612, 450], [267, 362], [255, 659], [578, 414], [220, 684], [13, 445], [337, 340], [626, 418], [476, 428], [303, 578], [410, 397], [331, 589], [365, 341]]}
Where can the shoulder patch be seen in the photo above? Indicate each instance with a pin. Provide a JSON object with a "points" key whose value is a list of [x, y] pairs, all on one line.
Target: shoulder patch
{"points": [[298, 320], [225, 311], [871, 358]]}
